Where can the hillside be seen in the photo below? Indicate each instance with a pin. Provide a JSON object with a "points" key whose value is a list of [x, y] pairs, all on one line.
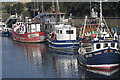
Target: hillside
{"points": [[78, 9]]}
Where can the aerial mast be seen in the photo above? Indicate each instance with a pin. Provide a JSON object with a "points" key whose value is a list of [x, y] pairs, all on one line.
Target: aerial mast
{"points": [[100, 11], [90, 7]]}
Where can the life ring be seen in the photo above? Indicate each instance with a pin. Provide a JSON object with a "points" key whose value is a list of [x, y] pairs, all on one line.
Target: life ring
{"points": [[50, 35], [79, 50], [54, 36]]}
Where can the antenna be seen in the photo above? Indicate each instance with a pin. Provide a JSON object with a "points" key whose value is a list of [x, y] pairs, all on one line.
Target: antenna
{"points": [[34, 9], [100, 11], [90, 7]]}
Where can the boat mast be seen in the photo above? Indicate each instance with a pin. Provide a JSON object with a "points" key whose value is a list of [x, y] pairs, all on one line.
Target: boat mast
{"points": [[58, 7], [84, 26], [100, 11], [42, 6], [101, 19], [52, 7], [56, 12]]}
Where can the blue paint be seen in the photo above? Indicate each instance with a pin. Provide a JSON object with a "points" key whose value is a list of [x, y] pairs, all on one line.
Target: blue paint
{"points": [[115, 29], [64, 44], [100, 59]]}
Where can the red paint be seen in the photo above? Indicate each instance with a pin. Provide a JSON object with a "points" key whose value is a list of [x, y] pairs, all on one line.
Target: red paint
{"points": [[103, 67], [25, 38], [93, 35]]}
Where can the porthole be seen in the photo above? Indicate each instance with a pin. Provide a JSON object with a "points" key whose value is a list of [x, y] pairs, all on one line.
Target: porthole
{"points": [[98, 46]]}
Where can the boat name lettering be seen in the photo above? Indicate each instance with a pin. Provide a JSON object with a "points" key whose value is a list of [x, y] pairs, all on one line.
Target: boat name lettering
{"points": [[89, 55], [33, 35], [97, 53]]}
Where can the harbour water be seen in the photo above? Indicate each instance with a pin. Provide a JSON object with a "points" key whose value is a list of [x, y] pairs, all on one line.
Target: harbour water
{"points": [[23, 60]]}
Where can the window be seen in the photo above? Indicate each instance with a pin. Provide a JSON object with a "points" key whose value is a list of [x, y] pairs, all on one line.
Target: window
{"points": [[117, 46], [88, 49], [105, 45], [57, 31], [3, 25], [98, 46], [33, 35], [89, 26], [69, 31], [112, 44], [60, 31]]}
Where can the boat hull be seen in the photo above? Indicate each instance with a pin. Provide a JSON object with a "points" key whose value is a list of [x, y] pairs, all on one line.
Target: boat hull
{"points": [[64, 44], [107, 59], [29, 37], [4, 33]]}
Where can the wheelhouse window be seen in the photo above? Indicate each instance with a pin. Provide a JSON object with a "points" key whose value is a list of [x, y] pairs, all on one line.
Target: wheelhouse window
{"points": [[117, 46], [3, 25], [105, 45], [98, 46], [57, 31], [89, 26], [60, 31], [88, 49], [112, 44], [69, 31]]}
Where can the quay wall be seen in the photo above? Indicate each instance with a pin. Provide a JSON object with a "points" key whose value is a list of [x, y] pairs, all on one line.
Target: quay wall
{"points": [[112, 22]]}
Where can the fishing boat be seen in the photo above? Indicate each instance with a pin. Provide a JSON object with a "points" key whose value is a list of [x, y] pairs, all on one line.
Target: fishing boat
{"points": [[63, 37], [28, 32], [48, 18], [99, 50], [4, 30]]}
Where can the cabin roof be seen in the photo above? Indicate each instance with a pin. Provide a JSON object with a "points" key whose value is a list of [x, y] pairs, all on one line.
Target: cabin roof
{"points": [[62, 26], [47, 14]]}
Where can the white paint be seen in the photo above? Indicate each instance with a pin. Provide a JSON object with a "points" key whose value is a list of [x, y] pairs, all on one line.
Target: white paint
{"points": [[64, 36]]}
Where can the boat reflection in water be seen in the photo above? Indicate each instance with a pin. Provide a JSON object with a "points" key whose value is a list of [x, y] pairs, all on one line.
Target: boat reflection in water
{"points": [[93, 74], [35, 55], [106, 73], [65, 63]]}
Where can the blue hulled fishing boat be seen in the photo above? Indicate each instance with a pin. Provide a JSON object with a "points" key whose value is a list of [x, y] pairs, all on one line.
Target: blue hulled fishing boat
{"points": [[63, 37], [100, 49]]}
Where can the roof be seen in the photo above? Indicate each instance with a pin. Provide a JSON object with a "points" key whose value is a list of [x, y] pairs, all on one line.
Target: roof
{"points": [[47, 14], [62, 26]]}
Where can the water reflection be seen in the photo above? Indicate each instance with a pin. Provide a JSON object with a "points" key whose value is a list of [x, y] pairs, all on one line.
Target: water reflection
{"points": [[34, 53], [38, 61], [93, 74], [65, 63], [106, 73]]}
